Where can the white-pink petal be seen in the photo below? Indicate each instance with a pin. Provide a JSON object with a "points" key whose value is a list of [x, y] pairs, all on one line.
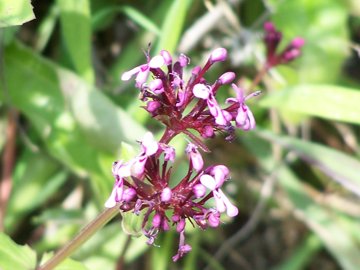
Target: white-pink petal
{"points": [[231, 210], [208, 181], [128, 74], [157, 61], [201, 91], [149, 144]]}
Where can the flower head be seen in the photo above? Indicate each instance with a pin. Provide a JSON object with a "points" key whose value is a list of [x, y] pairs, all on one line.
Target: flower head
{"points": [[142, 184], [272, 40]]}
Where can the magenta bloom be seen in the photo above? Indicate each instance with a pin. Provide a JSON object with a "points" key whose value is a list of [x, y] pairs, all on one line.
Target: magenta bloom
{"points": [[272, 40], [142, 185], [145, 184]]}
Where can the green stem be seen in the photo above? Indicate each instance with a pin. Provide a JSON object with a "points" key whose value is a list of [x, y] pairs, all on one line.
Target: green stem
{"points": [[85, 233]]}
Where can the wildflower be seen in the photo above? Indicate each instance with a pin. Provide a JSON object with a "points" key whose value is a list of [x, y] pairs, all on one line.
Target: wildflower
{"points": [[188, 106], [272, 40], [142, 71], [244, 117], [142, 185], [214, 181]]}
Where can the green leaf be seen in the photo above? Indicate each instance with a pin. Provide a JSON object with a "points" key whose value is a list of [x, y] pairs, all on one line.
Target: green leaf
{"points": [[46, 28], [15, 12], [14, 256], [129, 11], [170, 31], [327, 101], [326, 225], [76, 31], [35, 173], [339, 166], [79, 126]]}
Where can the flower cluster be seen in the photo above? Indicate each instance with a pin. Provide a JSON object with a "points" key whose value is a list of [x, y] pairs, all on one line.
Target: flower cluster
{"points": [[142, 184], [167, 96], [145, 184], [272, 40]]}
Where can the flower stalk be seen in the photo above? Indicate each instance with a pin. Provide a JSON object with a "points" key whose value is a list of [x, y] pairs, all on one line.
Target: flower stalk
{"points": [[90, 229]]}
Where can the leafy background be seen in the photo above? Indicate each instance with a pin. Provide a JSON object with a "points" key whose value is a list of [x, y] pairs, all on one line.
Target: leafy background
{"points": [[65, 116]]}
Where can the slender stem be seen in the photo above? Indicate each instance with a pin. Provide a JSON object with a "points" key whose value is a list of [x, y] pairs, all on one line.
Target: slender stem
{"points": [[258, 77], [95, 225]]}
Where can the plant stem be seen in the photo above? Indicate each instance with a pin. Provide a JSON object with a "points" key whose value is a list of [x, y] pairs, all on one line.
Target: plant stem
{"points": [[258, 77], [85, 233]]}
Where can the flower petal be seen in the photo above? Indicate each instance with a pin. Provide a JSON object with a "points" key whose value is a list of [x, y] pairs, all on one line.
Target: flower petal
{"points": [[208, 181]]}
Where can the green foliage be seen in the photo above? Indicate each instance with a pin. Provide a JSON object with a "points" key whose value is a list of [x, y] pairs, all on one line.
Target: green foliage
{"points": [[15, 12], [13, 256], [328, 101]]}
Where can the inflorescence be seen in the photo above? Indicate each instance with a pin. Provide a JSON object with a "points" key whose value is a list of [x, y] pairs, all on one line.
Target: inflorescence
{"points": [[143, 183]]}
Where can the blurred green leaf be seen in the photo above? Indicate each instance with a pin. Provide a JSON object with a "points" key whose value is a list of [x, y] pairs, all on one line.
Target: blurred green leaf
{"points": [[76, 31], [337, 165], [14, 256], [327, 101], [46, 28], [80, 127], [132, 54], [15, 12], [134, 14], [170, 31], [34, 174], [327, 226], [162, 255]]}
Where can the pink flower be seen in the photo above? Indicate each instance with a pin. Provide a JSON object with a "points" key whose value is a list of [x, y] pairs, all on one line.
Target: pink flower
{"points": [[149, 147], [214, 181], [244, 118], [203, 91], [195, 157], [142, 71]]}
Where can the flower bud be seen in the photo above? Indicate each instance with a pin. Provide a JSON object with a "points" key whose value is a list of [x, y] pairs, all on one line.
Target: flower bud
{"points": [[181, 225], [226, 78], [129, 194], [166, 194], [167, 57], [156, 86], [156, 220], [214, 219], [199, 190], [218, 55], [207, 132], [152, 106]]}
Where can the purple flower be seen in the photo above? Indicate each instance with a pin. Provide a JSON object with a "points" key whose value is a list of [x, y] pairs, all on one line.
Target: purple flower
{"points": [[204, 92], [142, 71], [194, 156], [272, 40], [183, 248], [244, 118], [214, 181]]}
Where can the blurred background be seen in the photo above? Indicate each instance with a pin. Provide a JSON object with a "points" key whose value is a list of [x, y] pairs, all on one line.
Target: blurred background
{"points": [[65, 116]]}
